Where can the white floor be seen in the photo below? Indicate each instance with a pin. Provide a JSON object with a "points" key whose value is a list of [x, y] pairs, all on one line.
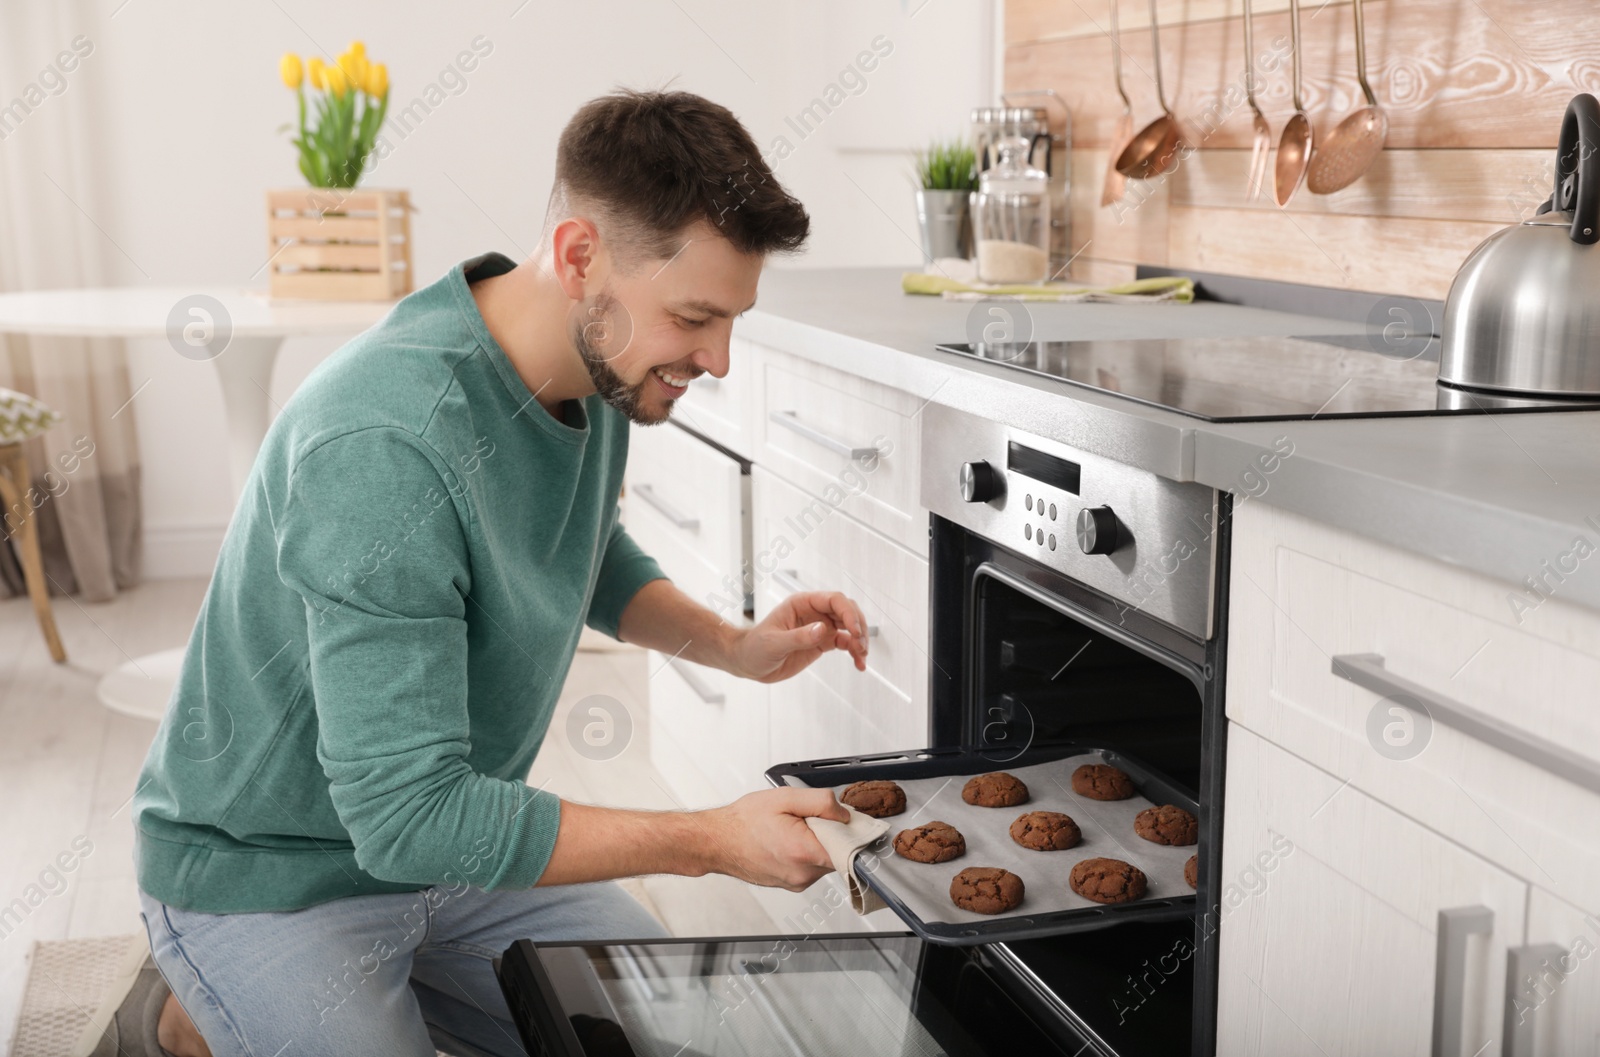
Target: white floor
{"points": [[68, 766]]}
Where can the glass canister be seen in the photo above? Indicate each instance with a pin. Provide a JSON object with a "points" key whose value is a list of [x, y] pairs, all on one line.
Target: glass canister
{"points": [[1011, 217]]}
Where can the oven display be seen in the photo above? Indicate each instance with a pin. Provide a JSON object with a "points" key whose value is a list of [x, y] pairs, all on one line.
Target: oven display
{"points": [[1046, 469]]}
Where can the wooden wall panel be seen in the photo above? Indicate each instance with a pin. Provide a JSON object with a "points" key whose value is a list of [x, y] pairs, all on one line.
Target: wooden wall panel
{"points": [[1033, 21], [1497, 186], [1133, 232], [1474, 90], [1386, 254]]}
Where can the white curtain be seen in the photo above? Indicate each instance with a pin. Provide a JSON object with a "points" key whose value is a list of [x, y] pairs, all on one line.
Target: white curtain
{"points": [[51, 187]]}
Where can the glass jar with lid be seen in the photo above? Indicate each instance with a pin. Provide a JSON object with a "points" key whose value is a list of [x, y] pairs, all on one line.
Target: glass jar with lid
{"points": [[1011, 217]]}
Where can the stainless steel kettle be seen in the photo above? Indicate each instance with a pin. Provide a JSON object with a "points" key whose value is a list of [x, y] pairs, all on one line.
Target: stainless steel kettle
{"points": [[1523, 313]]}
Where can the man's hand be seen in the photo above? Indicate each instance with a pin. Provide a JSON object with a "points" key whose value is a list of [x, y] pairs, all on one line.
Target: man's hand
{"points": [[799, 630], [762, 837]]}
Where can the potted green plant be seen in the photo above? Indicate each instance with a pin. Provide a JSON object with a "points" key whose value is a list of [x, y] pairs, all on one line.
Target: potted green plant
{"points": [[947, 174]]}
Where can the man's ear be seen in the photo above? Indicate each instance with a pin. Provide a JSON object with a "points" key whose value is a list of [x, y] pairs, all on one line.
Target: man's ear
{"points": [[576, 245]]}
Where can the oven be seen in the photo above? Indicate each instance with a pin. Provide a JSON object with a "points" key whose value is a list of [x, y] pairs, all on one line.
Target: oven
{"points": [[1077, 602], [1076, 607]]}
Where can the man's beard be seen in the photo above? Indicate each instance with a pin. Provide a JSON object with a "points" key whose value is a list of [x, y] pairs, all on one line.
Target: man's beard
{"points": [[612, 328]]}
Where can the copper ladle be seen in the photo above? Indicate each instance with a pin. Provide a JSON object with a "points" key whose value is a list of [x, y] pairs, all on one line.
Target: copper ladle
{"points": [[1294, 149], [1112, 190], [1352, 147], [1155, 149]]}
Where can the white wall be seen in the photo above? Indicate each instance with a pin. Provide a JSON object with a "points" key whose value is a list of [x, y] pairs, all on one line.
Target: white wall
{"points": [[189, 104]]}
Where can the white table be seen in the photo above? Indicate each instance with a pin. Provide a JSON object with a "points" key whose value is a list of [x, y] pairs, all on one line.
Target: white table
{"points": [[240, 331]]}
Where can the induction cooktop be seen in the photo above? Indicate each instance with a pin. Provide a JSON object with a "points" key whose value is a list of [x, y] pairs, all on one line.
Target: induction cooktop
{"points": [[1261, 379]]}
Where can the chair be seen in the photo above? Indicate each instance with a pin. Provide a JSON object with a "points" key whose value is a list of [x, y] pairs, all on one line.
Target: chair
{"points": [[22, 417]]}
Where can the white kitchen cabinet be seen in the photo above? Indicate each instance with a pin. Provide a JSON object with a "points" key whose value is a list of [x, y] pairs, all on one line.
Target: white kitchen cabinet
{"points": [[722, 408], [688, 507], [801, 543], [1556, 986], [1303, 594], [845, 439], [1330, 927], [715, 721]]}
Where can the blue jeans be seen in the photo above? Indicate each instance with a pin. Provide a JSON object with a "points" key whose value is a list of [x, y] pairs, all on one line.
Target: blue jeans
{"points": [[392, 975]]}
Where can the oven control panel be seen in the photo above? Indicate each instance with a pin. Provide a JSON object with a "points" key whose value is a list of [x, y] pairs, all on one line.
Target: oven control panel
{"points": [[1148, 542]]}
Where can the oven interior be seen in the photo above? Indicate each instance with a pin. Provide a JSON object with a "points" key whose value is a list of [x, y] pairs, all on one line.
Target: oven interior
{"points": [[1041, 677]]}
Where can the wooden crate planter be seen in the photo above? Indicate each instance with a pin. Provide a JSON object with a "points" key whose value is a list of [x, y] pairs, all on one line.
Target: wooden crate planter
{"points": [[331, 244]]}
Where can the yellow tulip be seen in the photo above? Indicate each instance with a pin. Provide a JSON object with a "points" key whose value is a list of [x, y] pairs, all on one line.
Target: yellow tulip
{"points": [[338, 81], [378, 80], [315, 71], [358, 48], [354, 67], [289, 69]]}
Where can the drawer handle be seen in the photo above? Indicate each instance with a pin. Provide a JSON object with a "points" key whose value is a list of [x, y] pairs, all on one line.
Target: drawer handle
{"points": [[648, 494], [790, 582], [1366, 670], [1450, 974], [1516, 1039], [788, 421], [696, 683]]}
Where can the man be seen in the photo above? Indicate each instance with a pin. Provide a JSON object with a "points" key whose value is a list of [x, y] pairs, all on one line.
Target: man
{"points": [[334, 836]]}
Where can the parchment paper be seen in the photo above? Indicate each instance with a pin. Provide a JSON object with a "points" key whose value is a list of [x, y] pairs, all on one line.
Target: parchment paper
{"points": [[1107, 827]]}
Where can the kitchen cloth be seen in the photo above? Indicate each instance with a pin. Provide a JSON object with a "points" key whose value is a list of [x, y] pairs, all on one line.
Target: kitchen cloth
{"points": [[951, 287], [843, 840]]}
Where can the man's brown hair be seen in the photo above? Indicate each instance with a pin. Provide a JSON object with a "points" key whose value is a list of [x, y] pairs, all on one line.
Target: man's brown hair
{"points": [[654, 162]]}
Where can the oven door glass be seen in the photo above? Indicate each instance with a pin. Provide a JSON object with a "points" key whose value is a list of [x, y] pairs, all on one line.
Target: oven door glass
{"points": [[785, 996]]}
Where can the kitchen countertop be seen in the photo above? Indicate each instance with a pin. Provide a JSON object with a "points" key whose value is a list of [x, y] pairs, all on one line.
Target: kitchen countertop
{"points": [[1498, 494]]}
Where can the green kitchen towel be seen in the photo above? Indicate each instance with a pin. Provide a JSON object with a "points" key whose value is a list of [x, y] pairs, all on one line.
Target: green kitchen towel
{"points": [[1159, 288]]}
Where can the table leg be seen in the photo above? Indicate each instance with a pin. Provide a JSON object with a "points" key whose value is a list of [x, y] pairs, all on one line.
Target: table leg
{"points": [[245, 370], [143, 687]]}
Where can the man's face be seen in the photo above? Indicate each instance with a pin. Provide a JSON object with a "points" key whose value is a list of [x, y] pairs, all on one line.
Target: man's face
{"points": [[645, 336]]}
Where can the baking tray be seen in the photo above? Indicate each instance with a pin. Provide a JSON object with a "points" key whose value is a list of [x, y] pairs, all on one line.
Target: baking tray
{"points": [[919, 893]]}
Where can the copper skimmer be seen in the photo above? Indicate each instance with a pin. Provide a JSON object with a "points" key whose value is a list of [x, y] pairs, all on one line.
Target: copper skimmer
{"points": [[1155, 149], [1294, 149], [1262, 149], [1113, 187], [1353, 146]]}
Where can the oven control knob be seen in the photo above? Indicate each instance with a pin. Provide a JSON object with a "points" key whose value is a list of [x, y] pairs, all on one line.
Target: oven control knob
{"points": [[979, 482], [1097, 530]]}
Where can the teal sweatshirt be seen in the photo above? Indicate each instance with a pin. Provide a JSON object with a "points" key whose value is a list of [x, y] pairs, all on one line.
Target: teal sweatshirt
{"points": [[388, 627]]}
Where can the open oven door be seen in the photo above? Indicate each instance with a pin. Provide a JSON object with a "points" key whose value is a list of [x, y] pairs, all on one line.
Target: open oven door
{"points": [[850, 993]]}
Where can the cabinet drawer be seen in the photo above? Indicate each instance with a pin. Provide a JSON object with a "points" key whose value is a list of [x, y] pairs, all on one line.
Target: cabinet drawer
{"points": [[688, 508], [714, 721], [721, 408], [1304, 594], [808, 721], [1557, 995], [846, 439], [802, 544], [1330, 917]]}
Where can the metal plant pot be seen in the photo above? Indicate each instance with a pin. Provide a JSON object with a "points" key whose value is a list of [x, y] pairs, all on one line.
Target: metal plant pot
{"points": [[946, 224]]}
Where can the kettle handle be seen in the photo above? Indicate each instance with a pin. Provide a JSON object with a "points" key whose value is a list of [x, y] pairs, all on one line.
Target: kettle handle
{"points": [[1578, 169]]}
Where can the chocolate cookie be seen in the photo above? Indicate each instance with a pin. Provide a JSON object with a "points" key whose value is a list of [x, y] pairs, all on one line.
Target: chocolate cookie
{"points": [[1167, 824], [986, 890], [878, 798], [1107, 880], [932, 842], [995, 790], [1191, 871], [1046, 831], [1101, 781]]}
